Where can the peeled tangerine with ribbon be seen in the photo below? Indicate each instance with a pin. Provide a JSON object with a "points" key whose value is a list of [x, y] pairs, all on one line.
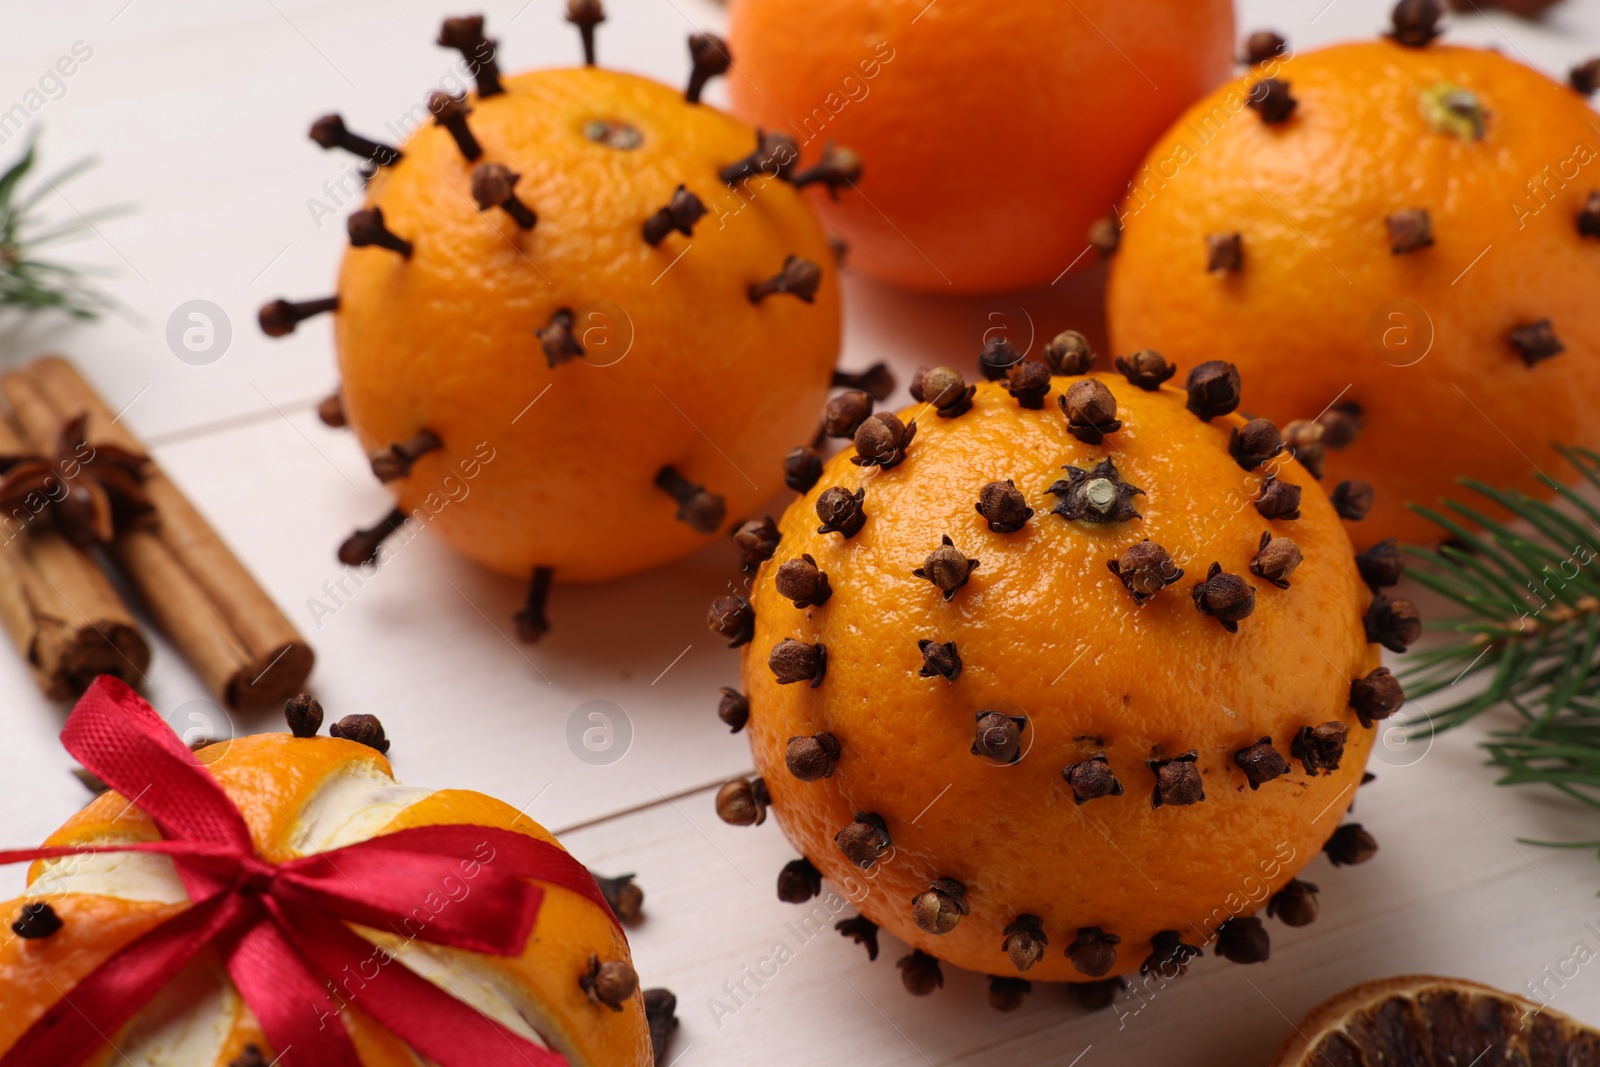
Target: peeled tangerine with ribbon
{"points": [[282, 899], [579, 306], [1068, 684]]}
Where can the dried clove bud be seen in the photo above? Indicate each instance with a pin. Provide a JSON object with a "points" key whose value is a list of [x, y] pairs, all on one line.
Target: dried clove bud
{"points": [[1276, 559], [1097, 996], [1095, 496], [920, 973], [802, 582], [1585, 77], [1224, 253], [279, 317], [361, 547], [1177, 780], [1349, 845], [861, 930], [1069, 353], [1341, 425], [775, 155], [611, 983], [586, 15], [1093, 952], [799, 881], [794, 661], [1352, 500], [743, 802], [625, 899], [1003, 507], [1091, 411], [1260, 763], [698, 509], [36, 920], [947, 567], [396, 461], [1213, 389], [465, 35], [1271, 99], [1025, 941], [998, 356], [1536, 342], [1169, 955], [733, 709], [1416, 22], [1028, 382], [838, 166], [451, 112], [757, 540], [876, 381], [1295, 904], [1394, 624], [1254, 443], [1145, 569], [1146, 369], [304, 715], [494, 185], [1005, 994], [1105, 234], [939, 660], [330, 132], [999, 737], [711, 58], [812, 758], [1278, 499], [841, 512], [330, 410], [1381, 565], [365, 227], [799, 278], [557, 341], [1227, 598], [1262, 46], [845, 412], [1091, 779], [732, 617], [1304, 440], [1320, 748], [661, 1018], [1409, 230], [864, 840], [801, 469], [363, 730], [881, 440], [940, 907], [1376, 696], [1243, 939], [680, 214], [945, 389]]}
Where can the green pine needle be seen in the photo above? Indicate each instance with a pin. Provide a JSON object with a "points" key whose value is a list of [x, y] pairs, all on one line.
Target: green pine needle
{"points": [[28, 283]]}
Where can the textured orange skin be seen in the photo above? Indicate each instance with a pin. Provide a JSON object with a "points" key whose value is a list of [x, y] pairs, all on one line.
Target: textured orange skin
{"points": [[270, 777], [992, 135], [1044, 629], [1357, 149], [717, 386]]}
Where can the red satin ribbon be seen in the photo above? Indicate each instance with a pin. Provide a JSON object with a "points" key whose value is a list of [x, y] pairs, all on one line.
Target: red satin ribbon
{"points": [[280, 928]]}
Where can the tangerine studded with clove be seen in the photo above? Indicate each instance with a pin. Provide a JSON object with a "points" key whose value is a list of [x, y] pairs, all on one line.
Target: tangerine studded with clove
{"points": [[1419, 253], [982, 802]]}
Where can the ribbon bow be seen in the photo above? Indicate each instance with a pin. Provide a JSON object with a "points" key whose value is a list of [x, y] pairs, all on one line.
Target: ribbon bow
{"points": [[280, 927]]}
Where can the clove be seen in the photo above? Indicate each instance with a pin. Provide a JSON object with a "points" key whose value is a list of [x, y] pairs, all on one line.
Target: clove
{"points": [[1262, 46], [1146, 369], [841, 512], [530, 621], [494, 185], [330, 410], [303, 714], [1227, 598], [732, 617], [876, 381], [812, 758], [1352, 500], [396, 461], [1303, 439], [1003, 507], [945, 389], [1025, 941], [947, 567], [451, 112], [939, 660], [1006, 994], [743, 802], [803, 582], [361, 547], [757, 540], [799, 278], [661, 1019], [1349, 845], [940, 907], [1409, 230], [1276, 558], [1261, 763], [700, 510], [920, 973], [1394, 624], [802, 467], [998, 356], [775, 155], [1278, 499], [1416, 22], [1169, 955], [1028, 382], [1213, 389], [330, 132], [999, 737], [625, 899], [799, 881], [36, 920], [1177, 780], [1271, 99], [1093, 952], [586, 15], [1145, 569], [1536, 342], [733, 709], [680, 214], [1378, 695], [1069, 353], [465, 35], [864, 840], [711, 58], [1243, 939], [845, 412], [1381, 565], [1585, 77], [1091, 411], [280, 317], [1094, 496], [1097, 996], [794, 661], [1295, 904], [838, 166], [361, 729], [881, 440], [1320, 748], [1341, 425], [861, 930], [611, 983], [1105, 235], [1091, 779], [1254, 443], [557, 341], [366, 227], [1224, 253]]}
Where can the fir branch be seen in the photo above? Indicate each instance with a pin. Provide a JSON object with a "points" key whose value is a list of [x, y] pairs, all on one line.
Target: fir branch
{"points": [[28, 283]]}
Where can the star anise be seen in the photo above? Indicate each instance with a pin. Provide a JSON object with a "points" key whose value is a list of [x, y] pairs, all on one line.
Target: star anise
{"points": [[92, 490]]}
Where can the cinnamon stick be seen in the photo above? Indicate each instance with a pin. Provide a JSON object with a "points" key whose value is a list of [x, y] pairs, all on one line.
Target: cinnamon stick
{"points": [[227, 627], [58, 607]]}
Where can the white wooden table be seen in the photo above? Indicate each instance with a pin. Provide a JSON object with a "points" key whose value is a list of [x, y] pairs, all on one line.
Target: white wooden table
{"points": [[198, 114]]}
